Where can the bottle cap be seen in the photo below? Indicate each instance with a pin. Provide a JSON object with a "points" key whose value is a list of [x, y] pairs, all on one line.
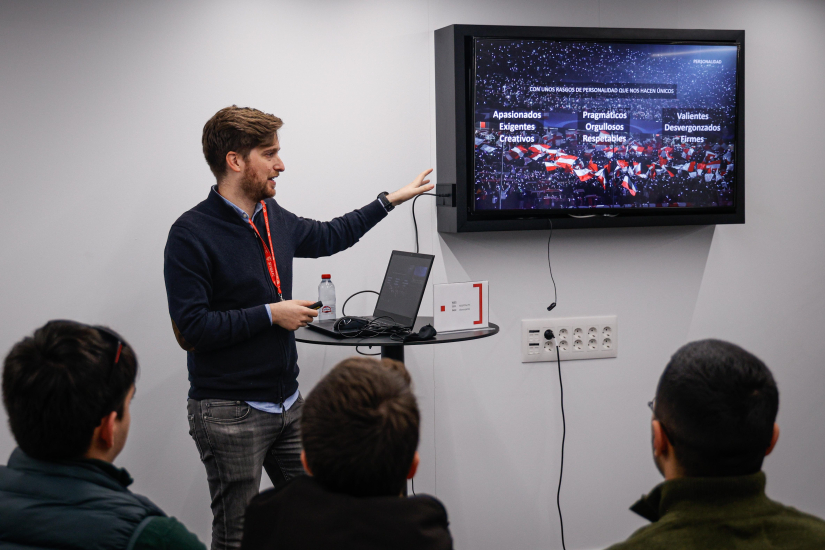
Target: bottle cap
{"points": [[326, 276]]}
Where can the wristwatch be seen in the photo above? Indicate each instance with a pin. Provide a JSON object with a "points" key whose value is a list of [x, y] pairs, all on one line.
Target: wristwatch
{"points": [[388, 206]]}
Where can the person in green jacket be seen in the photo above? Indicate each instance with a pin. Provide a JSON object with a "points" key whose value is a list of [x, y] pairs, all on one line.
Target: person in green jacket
{"points": [[713, 424], [67, 390]]}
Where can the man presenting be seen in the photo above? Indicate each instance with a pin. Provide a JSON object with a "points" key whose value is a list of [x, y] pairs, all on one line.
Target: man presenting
{"points": [[228, 272]]}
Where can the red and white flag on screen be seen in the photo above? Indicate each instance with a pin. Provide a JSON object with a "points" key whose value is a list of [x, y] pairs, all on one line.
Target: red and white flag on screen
{"points": [[516, 152], [538, 150], [550, 166], [600, 176], [583, 174], [627, 184], [567, 159]]}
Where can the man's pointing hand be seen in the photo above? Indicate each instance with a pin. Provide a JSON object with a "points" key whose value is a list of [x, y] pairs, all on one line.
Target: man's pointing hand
{"points": [[419, 185]]}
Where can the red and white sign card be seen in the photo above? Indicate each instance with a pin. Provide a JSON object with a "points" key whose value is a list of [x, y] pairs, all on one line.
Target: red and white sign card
{"points": [[460, 306]]}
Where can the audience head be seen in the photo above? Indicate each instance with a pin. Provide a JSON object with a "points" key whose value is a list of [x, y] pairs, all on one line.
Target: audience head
{"points": [[238, 129], [715, 411], [359, 428], [67, 390]]}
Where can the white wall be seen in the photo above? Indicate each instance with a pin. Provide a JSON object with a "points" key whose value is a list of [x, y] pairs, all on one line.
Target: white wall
{"points": [[102, 105]]}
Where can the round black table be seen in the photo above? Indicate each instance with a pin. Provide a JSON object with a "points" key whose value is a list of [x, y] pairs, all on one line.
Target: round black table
{"points": [[390, 348]]}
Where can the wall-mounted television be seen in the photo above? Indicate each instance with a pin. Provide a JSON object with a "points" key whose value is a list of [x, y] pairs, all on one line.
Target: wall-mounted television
{"points": [[588, 127]]}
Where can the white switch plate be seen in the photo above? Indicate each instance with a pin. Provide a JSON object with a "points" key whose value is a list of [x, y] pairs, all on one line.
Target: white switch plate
{"points": [[576, 337]]}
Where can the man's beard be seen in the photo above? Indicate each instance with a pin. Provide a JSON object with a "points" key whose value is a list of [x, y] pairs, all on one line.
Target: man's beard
{"points": [[255, 189]]}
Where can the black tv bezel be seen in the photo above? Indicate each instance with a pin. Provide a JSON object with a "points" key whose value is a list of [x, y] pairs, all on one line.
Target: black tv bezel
{"points": [[454, 133]]}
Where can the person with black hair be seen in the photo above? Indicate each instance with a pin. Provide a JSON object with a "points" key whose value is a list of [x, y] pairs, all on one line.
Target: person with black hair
{"points": [[67, 391], [360, 431], [714, 421]]}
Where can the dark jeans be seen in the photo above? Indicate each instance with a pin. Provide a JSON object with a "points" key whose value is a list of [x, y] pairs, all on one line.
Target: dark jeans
{"points": [[235, 441]]}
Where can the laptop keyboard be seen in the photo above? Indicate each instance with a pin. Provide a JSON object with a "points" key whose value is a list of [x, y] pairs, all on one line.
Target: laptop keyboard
{"points": [[384, 322]]}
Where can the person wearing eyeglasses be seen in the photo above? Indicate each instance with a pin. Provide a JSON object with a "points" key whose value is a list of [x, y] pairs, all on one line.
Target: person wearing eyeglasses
{"points": [[67, 391], [714, 422]]}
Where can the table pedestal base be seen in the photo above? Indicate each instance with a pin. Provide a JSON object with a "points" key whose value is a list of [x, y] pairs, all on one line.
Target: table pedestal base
{"points": [[390, 348], [393, 352]]}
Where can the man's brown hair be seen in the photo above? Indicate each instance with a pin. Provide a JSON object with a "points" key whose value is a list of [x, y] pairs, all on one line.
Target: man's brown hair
{"points": [[238, 129], [360, 428]]}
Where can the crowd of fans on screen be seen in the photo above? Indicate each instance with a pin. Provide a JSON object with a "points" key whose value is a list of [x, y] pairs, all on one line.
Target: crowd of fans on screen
{"points": [[562, 172], [506, 71]]}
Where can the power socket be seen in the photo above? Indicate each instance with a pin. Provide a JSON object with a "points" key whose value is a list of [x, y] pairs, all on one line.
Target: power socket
{"points": [[576, 337]]}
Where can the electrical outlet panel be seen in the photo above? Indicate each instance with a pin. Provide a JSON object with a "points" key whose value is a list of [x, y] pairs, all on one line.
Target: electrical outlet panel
{"points": [[576, 337]]}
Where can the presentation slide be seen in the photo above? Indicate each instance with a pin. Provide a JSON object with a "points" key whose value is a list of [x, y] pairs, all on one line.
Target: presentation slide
{"points": [[585, 125]]}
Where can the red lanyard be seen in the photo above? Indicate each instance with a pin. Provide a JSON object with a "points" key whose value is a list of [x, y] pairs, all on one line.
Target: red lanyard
{"points": [[269, 253]]}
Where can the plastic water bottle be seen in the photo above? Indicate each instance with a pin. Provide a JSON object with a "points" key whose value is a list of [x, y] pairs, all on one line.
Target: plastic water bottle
{"points": [[326, 294]]}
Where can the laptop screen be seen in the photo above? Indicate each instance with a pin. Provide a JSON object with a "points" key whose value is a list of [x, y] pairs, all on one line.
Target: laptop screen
{"points": [[403, 286]]}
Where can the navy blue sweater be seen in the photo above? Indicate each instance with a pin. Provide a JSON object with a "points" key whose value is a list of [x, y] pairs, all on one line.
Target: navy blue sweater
{"points": [[217, 281]]}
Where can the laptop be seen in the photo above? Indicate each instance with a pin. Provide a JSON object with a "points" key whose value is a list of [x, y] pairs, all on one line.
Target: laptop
{"points": [[401, 293]]}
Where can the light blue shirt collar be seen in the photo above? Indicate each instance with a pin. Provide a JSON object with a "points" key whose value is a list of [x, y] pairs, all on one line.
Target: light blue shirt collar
{"points": [[244, 216]]}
